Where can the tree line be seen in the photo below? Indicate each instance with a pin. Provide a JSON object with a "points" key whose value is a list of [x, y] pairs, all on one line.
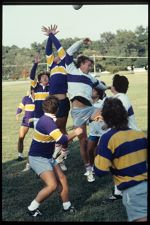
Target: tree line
{"points": [[17, 62]]}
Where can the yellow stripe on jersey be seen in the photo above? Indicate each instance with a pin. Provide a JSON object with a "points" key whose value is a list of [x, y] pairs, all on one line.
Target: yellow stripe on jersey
{"points": [[21, 106], [59, 69], [50, 59], [33, 83], [29, 107], [61, 53], [119, 138], [40, 95], [42, 137], [130, 159], [56, 134], [102, 163], [119, 179]]}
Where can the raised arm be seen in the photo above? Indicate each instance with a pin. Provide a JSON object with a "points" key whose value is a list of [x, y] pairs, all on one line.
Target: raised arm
{"points": [[74, 48], [33, 71], [51, 32]]}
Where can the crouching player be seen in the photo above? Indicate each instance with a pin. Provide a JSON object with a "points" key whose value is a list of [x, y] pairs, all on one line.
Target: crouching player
{"points": [[46, 134]]}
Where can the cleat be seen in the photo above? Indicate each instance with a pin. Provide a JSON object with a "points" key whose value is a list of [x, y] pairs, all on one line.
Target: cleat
{"points": [[63, 166], [20, 158], [35, 213], [71, 209], [86, 173], [115, 197], [27, 168], [90, 177]]}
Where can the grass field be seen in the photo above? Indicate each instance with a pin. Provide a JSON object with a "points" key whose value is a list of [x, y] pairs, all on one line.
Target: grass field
{"points": [[18, 189]]}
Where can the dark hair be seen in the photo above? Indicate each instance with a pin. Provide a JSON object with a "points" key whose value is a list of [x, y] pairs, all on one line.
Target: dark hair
{"points": [[83, 59], [41, 74], [50, 104], [100, 92], [120, 83], [115, 114]]}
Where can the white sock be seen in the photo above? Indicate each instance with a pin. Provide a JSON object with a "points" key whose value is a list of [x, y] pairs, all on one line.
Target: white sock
{"points": [[34, 205], [88, 167], [66, 205]]}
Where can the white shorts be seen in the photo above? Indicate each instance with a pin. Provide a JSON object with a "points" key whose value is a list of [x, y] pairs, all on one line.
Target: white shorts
{"points": [[81, 115]]}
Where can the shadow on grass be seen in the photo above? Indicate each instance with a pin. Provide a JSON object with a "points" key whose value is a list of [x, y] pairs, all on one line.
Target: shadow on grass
{"points": [[20, 188]]}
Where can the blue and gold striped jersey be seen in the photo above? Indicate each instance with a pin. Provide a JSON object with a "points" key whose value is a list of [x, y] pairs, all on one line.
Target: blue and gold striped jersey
{"points": [[58, 78], [40, 92], [46, 134], [124, 153]]}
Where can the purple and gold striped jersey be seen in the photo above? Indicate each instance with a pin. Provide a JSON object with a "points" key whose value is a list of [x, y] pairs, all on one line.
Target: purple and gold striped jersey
{"points": [[46, 134], [124, 152], [40, 92], [27, 105], [58, 79]]}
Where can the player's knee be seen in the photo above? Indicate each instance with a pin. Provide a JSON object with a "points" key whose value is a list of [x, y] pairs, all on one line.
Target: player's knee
{"points": [[52, 186]]}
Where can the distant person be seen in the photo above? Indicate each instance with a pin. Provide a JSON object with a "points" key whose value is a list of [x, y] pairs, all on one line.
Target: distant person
{"points": [[41, 161], [132, 68], [27, 106], [41, 88], [146, 67], [58, 85], [123, 151]]}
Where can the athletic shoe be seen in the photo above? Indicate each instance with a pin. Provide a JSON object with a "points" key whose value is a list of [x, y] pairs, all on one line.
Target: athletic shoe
{"points": [[71, 209], [20, 158], [115, 197], [116, 194], [90, 177], [63, 166], [35, 212], [87, 172], [27, 168]]}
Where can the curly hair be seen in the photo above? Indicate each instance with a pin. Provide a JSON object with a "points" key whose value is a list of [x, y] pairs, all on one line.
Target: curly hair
{"points": [[50, 104], [41, 74], [115, 114], [100, 92], [120, 83]]}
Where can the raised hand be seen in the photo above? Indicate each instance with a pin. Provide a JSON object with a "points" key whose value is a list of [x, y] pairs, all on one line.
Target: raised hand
{"points": [[37, 58], [48, 30]]}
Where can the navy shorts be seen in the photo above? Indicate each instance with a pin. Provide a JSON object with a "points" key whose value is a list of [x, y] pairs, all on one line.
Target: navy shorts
{"points": [[64, 107], [25, 123]]}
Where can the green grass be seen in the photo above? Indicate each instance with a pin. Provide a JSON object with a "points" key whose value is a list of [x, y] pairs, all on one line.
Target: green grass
{"points": [[18, 189]]}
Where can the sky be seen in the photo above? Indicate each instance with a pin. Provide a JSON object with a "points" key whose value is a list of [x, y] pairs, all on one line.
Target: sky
{"points": [[21, 24]]}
